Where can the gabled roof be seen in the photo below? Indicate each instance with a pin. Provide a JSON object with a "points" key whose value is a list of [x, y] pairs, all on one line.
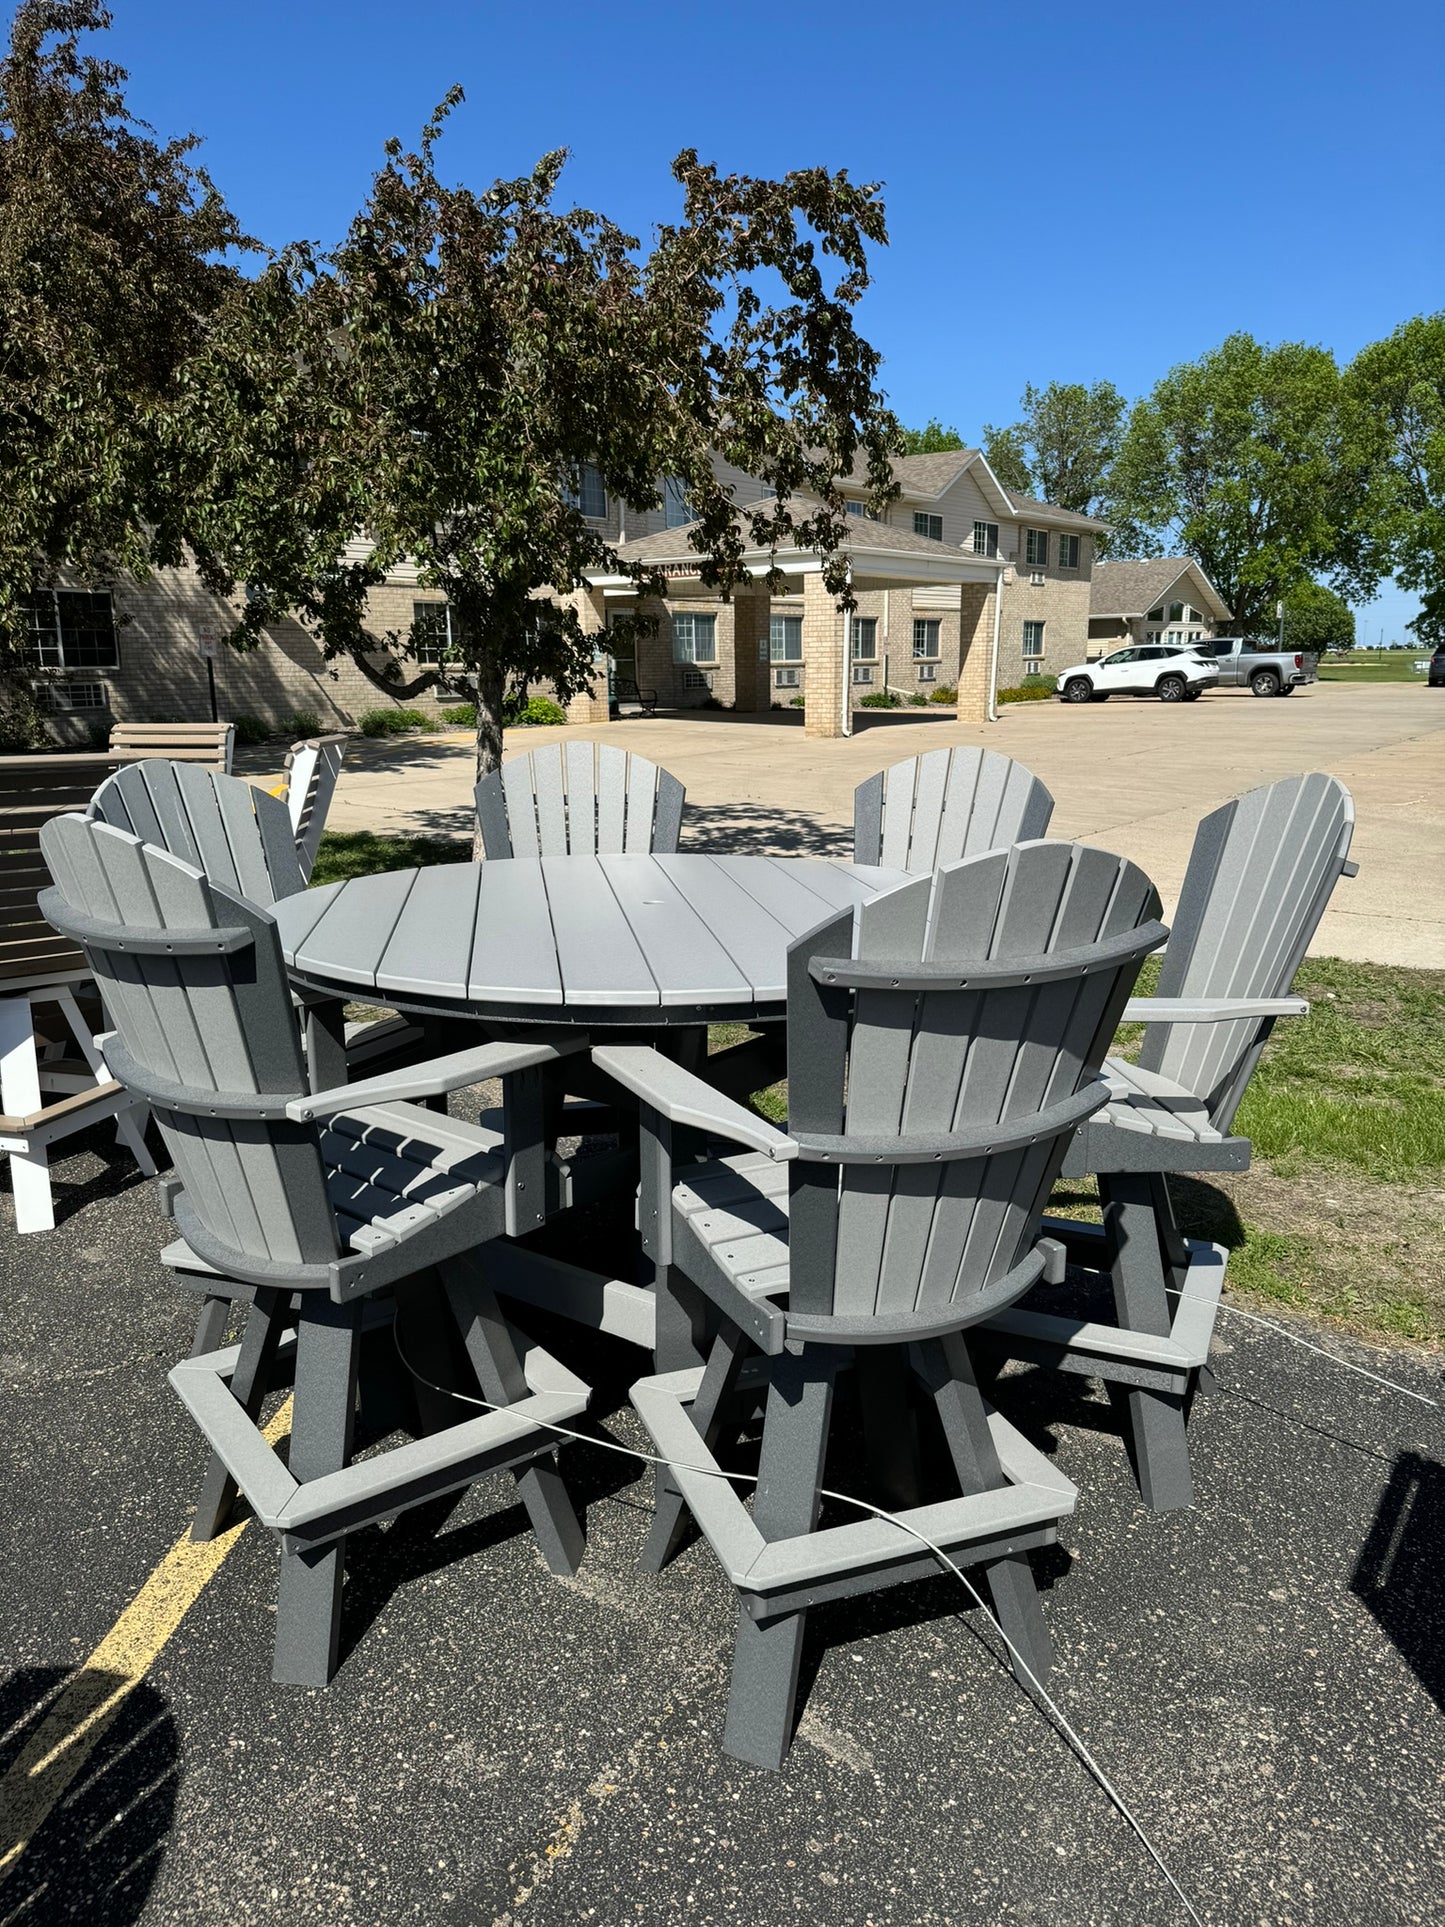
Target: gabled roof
{"points": [[864, 536], [1037, 511], [932, 474], [1132, 589]]}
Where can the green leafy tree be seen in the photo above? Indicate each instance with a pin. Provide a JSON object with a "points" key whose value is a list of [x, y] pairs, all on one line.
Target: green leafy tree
{"points": [[932, 439], [1064, 445], [1244, 459], [1006, 453], [1316, 618], [1429, 625], [110, 269], [435, 389], [1395, 400]]}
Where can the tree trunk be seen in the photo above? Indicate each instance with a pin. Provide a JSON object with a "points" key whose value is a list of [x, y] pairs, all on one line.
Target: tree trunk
{"points": [[491, 687]]}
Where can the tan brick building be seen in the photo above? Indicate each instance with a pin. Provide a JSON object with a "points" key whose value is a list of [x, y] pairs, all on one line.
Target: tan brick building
{"points": [[960, 584]]}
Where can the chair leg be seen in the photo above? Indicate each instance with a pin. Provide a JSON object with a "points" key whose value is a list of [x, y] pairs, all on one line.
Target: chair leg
{"points": [[130, 1131], [493, 1354], [249, 1384], [759, 1727], [669, 1517], [948, 1371], [20, 1097], [890, 1432], [308, 1610], [214, 1317], [1159, 1446]]}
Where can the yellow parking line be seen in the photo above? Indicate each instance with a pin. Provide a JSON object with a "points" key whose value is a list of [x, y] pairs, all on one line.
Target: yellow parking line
{"points": [[91, 1698]]}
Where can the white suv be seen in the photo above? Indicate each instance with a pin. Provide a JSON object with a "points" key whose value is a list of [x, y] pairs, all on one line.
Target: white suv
{"points": [[1172, 673]]}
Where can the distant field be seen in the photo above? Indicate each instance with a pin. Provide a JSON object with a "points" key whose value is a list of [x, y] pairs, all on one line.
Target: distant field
{"points": [[1374, 665]]}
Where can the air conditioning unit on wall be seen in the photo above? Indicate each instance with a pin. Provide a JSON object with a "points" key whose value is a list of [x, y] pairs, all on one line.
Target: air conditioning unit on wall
{"points": [[1037, 579]]}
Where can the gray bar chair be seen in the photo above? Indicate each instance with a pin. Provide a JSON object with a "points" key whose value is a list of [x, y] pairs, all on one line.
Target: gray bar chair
{"points": [[1260, 875], [948, 803], [581, 799], [338, 1198], [941, 1056]]}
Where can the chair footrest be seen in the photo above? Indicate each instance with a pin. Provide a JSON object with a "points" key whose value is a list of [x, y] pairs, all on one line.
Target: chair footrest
{"points": [[319, 1510], [1184, 1349], [874, 1551]]}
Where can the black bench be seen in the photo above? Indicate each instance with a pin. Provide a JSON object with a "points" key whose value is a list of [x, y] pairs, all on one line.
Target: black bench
{"points": [[624, 690]]}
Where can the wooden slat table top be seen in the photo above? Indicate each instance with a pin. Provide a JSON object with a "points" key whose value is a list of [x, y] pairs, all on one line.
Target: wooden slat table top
{"points": [[585, 939]]}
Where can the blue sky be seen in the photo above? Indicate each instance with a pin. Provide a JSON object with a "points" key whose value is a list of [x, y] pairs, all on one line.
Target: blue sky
{"points": [[1072, 192]]}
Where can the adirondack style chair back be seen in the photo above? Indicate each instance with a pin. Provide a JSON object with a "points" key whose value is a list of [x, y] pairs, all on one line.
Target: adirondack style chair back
{"points": [[578, 799], [949, 803], [1259, 878], [937, 1074], [238, 837], [195, 984], [32, 790], [312, 768]]}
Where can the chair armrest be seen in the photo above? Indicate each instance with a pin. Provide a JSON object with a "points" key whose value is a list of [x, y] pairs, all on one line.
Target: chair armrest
{"points": [[684, 1099], [1210, 1010], [436, 1076]]}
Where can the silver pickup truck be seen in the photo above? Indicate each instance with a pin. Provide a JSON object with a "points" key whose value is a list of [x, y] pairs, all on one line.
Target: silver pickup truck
{"points": [[1267, 670]]}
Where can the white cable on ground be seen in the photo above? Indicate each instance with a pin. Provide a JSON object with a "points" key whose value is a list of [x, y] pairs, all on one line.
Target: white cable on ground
{"points": [[846, 1498], [1282, 1331]]}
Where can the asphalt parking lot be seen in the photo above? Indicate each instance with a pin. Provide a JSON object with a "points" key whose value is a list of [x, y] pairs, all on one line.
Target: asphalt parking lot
{"points": [[1262, 1675]]}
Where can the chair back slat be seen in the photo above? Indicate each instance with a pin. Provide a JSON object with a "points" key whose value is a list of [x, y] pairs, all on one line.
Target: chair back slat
{"points": [[1259, 879], [220, 1024], [948, 803], [579, 799], [909, 1063], [239, 837], [312, 770]]}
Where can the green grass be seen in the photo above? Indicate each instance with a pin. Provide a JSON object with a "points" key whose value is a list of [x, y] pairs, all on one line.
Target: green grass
{"points": [[1375, 665], [360, 853]]}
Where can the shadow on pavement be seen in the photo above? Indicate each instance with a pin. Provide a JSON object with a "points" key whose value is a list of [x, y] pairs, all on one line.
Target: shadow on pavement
{"points": [[757, 829], [1400, 1573], [97, 1839]]}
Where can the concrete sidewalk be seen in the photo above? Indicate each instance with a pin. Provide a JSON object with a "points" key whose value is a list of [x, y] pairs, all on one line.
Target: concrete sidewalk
{"points": [[1133, 776]]}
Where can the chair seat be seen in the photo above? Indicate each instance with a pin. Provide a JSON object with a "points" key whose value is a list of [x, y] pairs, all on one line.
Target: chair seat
{"points": [[1151, 1124], [737, 1209], [393, 1169]]}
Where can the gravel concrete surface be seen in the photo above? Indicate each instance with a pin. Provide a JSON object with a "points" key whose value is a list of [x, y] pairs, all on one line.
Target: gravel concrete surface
{"points": [[1262, 1675], [1133, 776]]}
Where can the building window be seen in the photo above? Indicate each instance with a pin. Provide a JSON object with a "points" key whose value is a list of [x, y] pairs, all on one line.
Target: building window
{"points": [[1068, 551], [587, 495], [985, 538], [694, 639], [676, 509], [1033, 641], [928, 672], [862, 672], [925, 639], [865, 638], [1151, 635], [929, 525], [786, 678], [1176, 612], [785, 639], [1156, 615], [1036, 548], [62, 697], [431, 632], [71, 629]]}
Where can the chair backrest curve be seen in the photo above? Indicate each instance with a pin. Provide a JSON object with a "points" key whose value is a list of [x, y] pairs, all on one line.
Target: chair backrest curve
{"points": [[948, 803], [578, 799]]}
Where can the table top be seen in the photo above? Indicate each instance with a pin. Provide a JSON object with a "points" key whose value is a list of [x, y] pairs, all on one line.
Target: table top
{"points": [[626, 939]]}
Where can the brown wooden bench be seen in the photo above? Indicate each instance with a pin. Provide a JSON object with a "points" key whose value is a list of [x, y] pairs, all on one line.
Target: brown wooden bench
{"points": [[52, 1078], [213, 743]]}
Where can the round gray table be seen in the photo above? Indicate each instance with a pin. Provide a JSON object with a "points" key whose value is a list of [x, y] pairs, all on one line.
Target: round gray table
{"points": [[621, 940]]}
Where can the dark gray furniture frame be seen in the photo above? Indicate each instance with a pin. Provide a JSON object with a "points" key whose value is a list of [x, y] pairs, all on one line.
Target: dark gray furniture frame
{"points": [[1259, 879], [337, 1199], [578, 799], [948, 803], [941, 1056]]}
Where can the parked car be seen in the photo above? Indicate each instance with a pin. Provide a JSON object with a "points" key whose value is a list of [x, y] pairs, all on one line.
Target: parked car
{"points": [[1267, 670], [1172, 673], [1437, 669]]}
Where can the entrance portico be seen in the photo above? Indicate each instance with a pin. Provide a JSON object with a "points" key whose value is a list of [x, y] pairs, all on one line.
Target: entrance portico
{"points": [[710, 653]]}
